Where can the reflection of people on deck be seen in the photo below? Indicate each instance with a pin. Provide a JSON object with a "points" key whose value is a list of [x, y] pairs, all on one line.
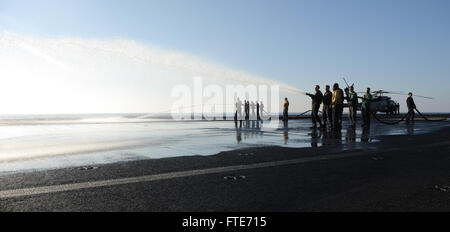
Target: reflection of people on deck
{"points": [[286, 132], [258, 127], [240, 124], [351, 134], [365, 136], [326, 137], [238, 133], [249, 129], [336, 137], [315, 136], [410, 128]]}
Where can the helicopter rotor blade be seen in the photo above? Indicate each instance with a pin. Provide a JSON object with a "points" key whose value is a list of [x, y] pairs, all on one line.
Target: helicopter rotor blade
{"points": [[393, 92], [387, 92], [432, 98], [396, 93], [404, 94]]}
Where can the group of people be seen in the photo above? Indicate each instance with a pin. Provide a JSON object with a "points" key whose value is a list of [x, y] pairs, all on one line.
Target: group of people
{"points": [[333, 107], [252, 110], [332, 103]]}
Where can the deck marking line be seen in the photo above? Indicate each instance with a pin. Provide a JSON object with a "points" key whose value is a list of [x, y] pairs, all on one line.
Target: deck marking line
{"points": [[172, 175]]}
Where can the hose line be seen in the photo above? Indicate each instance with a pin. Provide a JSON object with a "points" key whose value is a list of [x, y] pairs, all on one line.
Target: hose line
{"points": [[306, 113], [390, 123], [405, 116], [430, 120]]}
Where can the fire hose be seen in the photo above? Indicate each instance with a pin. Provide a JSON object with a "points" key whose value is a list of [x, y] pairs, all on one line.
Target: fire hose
{"points": [[405, 116]]}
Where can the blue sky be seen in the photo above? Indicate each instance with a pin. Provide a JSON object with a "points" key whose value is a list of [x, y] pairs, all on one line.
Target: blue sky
{"points": [[400, 45]]}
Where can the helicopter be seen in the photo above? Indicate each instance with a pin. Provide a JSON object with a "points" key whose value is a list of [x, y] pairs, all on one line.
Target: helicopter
{"points": [[384, 104], [380, 102]]}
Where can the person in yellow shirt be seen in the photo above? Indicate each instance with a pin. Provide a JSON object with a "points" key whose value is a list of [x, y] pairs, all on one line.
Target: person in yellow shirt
{"points": [[337, 103], [285, 110]]}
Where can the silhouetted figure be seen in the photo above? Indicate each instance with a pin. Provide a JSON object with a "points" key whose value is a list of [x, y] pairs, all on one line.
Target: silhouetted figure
{"points": [[238, 115], [258, 115], [244, 107], [261, 107], [337, 104], [327, 111], [365, 108], [253, 110], [286, 110], [316, 102], [411, 107], [243, 110], [397, 108], [247, 110], [352, 99]]}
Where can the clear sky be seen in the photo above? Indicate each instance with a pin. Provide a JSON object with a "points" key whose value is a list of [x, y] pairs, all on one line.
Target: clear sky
{"points": [[401, 45]]}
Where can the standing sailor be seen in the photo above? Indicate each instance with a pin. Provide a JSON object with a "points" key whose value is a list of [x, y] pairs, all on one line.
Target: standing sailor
{"points": [[365, 108], [286, 110], [327, 111], [316, 102], [238, 110], [247, 110], [258, 116], [253, 108], [352, 99], [261, 107], [411, 107], [337, 103]]}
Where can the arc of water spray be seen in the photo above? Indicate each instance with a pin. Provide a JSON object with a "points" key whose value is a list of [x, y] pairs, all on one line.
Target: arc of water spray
{"points": [[128, 50], [26, 46], [229, 75], [171, 60], [235, 76]]}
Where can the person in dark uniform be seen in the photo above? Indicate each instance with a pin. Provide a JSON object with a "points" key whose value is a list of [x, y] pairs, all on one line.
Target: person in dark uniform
{"points": [[261, 107], [258, 115], [327, 110], [316, 102], [365, 108], [352, 99], [411, 107], [247, 110]]}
